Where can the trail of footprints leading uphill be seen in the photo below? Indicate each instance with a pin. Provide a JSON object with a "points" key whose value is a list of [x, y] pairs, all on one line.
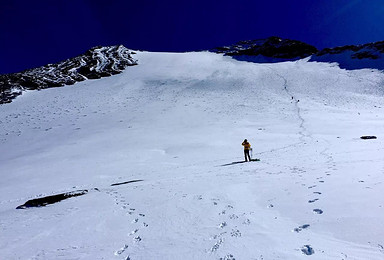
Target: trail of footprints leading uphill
{"points": [[313, 188], [329, 162], [137, 219]]}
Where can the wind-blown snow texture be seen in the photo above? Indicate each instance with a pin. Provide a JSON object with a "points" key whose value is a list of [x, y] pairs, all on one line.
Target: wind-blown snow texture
{"points": [[172, 122]]}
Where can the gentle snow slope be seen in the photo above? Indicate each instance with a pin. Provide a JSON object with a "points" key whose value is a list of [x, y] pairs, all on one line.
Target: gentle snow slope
{"points": [[173, 121]]}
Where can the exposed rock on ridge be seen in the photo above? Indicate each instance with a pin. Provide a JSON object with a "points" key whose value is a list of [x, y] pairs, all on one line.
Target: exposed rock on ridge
{"points": [[369, 50], [95, 63], [275, 49], [370, 55], [272, 47]]}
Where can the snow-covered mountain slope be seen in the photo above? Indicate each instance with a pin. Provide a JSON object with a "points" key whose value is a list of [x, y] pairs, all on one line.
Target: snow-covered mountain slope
{"points": [[95, 63], [174, 125]]}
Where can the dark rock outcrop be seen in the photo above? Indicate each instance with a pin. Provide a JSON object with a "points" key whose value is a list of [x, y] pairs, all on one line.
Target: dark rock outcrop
{"points": [[95, 63], [272, 47], [370, 55], [359, 51], [43, 201]]}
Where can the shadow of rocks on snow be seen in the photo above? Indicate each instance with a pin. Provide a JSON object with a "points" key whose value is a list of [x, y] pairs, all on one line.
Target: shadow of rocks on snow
{"points": [[126, 182], [41, 202]]}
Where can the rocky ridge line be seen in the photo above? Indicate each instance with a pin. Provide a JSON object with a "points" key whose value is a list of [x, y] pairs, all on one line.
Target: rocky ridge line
{"points": [[95, 63], [363, 51], [272, 47], [275, 49], [106, 61]]}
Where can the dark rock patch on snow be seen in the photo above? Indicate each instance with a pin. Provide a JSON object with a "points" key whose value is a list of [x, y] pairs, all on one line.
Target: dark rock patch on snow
{"points": [[365, 137], [41, 202], [95, 63], [126, 182]]}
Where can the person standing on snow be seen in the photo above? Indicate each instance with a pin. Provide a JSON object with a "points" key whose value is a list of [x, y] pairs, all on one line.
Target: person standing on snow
{"points": [[247, 147]]}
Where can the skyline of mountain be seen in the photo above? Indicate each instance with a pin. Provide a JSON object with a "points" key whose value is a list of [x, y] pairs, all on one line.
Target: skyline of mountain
{"points": [[224, 49], [106, 61], [37, 33]]}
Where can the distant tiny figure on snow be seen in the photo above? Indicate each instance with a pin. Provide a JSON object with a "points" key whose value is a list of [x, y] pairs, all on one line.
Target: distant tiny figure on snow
{"points": [[247, 147]]}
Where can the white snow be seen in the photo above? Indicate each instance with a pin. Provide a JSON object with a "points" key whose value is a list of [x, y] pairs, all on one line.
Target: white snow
{"points": [[173, 121]]}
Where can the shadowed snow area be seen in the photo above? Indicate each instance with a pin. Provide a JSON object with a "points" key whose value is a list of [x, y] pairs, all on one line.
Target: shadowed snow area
{"points": [[173, 121]]}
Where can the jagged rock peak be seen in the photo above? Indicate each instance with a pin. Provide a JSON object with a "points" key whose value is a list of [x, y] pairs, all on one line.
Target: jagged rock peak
{"points": [[95, 63], [272, 47], [104, 60]]}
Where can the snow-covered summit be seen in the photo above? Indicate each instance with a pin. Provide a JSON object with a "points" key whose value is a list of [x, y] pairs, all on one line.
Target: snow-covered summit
{"points": [[95, 63]]}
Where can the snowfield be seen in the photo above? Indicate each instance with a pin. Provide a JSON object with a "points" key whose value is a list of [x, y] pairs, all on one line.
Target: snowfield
{"points": [[175, 123]]}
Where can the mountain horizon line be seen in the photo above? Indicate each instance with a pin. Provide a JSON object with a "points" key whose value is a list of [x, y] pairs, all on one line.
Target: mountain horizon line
{"points": [[105, 61], [209, 49]]}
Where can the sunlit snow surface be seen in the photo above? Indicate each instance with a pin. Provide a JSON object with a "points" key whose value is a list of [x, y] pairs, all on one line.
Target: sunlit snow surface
{"points": [[172, 122]]}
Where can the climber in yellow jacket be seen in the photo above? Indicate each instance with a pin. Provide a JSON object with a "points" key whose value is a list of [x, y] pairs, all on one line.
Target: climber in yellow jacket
{"points": [[247, 147]]}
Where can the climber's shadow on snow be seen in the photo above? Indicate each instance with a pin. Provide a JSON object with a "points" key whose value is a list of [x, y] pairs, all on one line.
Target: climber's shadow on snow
{"points": [[233, 163]]}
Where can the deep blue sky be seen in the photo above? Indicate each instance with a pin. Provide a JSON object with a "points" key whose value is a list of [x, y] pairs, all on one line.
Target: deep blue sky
{"points": [[34, 33]]}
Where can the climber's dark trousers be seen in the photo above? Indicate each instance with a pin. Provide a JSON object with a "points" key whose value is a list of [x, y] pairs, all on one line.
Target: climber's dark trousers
{"points": [[246, 155]]}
